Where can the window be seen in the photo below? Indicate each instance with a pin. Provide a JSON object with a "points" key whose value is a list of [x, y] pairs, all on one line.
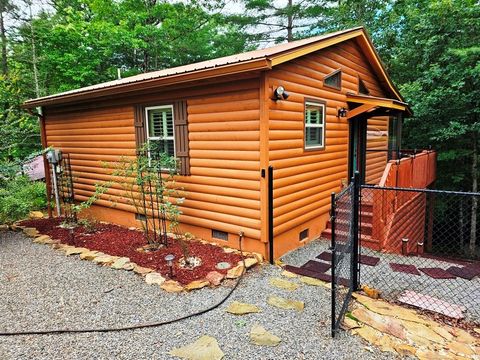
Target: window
{"points": [[362, 88], [160, 128], [314, 125], [333, 80]]}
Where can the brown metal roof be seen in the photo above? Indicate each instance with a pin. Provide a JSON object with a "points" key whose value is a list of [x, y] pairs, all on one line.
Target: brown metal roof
{"points": [[251, 60]]}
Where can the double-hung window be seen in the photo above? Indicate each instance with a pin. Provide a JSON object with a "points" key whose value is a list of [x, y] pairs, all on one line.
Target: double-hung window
{"points": [[160, 128], [314, 125]]}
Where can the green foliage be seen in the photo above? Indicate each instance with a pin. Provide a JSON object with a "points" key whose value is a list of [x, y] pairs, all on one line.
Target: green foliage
{"points": [[20, 196]]}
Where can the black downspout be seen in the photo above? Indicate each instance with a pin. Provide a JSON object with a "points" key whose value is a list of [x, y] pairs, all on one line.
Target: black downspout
{"points": [[270, 213], [333, 216], [355, 219]]}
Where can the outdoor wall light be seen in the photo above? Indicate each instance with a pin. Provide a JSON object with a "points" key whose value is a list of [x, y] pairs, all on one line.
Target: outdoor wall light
{"points": [[280, 93], [342, 112], [169, 259]]}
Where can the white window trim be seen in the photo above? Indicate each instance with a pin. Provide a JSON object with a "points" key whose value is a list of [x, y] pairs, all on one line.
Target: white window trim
{"points": [[322, 126], [159, 137]]}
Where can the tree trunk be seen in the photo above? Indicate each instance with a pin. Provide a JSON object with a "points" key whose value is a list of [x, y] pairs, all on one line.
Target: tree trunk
{"points": [[3, 38], [34, 53], [473, 229], [290, 21]]}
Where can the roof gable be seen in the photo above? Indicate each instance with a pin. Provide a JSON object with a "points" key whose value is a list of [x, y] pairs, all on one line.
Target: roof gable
{"points": [[263, 59]]}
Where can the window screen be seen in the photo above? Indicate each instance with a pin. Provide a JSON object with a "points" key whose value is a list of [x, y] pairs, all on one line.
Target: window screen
{"points": [[314, 125], [161, 129]]}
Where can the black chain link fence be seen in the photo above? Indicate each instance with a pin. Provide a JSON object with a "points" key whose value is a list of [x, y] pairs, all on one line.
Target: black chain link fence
{"points": [[342, 251], [422, 248]]}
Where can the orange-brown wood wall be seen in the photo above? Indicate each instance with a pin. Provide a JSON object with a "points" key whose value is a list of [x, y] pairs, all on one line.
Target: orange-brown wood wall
{"points": [[304, 180], [223, 190], [235, 130]]}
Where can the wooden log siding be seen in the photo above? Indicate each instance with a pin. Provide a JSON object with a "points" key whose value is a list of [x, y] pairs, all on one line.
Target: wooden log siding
{"points": [[223, 190], [304, 180]]}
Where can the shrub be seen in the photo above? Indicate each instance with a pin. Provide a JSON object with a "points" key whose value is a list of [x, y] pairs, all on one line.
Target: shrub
{"points": [[19, 196]]}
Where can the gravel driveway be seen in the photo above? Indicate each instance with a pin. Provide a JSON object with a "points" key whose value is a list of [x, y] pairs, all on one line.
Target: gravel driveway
{"points": [[42, 288]]}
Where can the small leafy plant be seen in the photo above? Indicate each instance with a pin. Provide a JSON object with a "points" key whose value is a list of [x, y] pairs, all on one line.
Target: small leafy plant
{"points": [[19, 196]]}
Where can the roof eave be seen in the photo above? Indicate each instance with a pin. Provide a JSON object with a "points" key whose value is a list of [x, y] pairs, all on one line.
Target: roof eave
{"points": [[230, 69]]}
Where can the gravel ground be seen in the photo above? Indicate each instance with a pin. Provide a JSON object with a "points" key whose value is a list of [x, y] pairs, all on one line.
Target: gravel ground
{"points": [[41, 288], [456, 291]]}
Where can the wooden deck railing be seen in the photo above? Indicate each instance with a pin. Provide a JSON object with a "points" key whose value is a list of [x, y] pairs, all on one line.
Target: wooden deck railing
{"points": [[399, 214]]}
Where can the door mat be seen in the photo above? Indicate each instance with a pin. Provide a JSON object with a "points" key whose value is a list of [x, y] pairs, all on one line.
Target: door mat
{"points": [[446, 259], [433, 304], [364, 259], [437, 273], [369, 260], [325, 256], [407, 269], [316, 266], [465, 272], [306, 272]]}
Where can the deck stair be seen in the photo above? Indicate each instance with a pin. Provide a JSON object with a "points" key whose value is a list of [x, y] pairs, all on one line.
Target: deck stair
{"points": [[342, 226]]}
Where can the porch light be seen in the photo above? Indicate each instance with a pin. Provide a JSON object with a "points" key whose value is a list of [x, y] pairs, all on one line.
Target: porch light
{"points": [[169, 259], [280, 93], [342, 112]]}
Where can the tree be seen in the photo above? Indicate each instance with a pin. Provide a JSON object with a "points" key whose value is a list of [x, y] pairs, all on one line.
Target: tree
{"points": [[267, 21], [437, 63], [6, 9]]}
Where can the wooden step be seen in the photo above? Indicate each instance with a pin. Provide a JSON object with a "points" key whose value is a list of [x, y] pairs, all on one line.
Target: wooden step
{"points": [[343, 225], [342, 236]]}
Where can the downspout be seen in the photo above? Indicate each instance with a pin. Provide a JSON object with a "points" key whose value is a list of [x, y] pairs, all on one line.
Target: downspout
{"points": [[43, 136]]}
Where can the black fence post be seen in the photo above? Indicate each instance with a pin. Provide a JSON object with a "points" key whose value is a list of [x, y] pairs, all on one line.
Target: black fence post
{"points": [[334, 259], [355, 226], [270, 213]]}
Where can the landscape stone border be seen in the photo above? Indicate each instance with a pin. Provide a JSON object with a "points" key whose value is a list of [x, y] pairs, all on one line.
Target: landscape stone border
{"points": [[151, 277]]}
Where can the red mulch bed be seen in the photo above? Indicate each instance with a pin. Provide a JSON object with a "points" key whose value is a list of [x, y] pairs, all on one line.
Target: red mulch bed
{"points": [[119, 241]]}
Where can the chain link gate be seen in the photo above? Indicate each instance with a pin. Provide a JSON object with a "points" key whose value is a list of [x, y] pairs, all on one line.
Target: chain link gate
{"points": [[344, 247]]}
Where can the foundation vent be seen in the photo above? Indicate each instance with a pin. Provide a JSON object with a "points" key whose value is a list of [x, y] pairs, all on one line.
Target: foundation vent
{"points": [[303, 235], [222, 235]]}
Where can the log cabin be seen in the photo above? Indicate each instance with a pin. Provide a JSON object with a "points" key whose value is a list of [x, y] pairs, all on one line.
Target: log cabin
{"points": [[313, 111]]}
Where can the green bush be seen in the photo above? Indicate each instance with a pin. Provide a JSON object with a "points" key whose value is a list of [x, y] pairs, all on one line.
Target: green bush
{"points": [[19, 196]]}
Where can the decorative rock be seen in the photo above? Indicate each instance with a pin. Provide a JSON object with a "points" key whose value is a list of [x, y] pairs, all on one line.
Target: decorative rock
{"points": [[287, 304], [154, 278], [104, 259], [214, 277], [171, 286], [260, 336], [405, 350], [238, 308], [75, 250], [41, 239], [283, 284], [460, 348], [4, 227], [311, 281], [258, 256], [35, 215], [223, 265], [90, 255], [120, 263], [141, 270], [349, 324], [196, 284], [229, 250], [30, 232], [205, 348], [383, 324], [288, 274], [129, 266], [249, 262], [477, 330], [235, 272]]}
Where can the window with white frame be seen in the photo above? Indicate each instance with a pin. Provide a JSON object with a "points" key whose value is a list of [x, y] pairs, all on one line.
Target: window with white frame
{"points": [[314, 125], [160, 128]]}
